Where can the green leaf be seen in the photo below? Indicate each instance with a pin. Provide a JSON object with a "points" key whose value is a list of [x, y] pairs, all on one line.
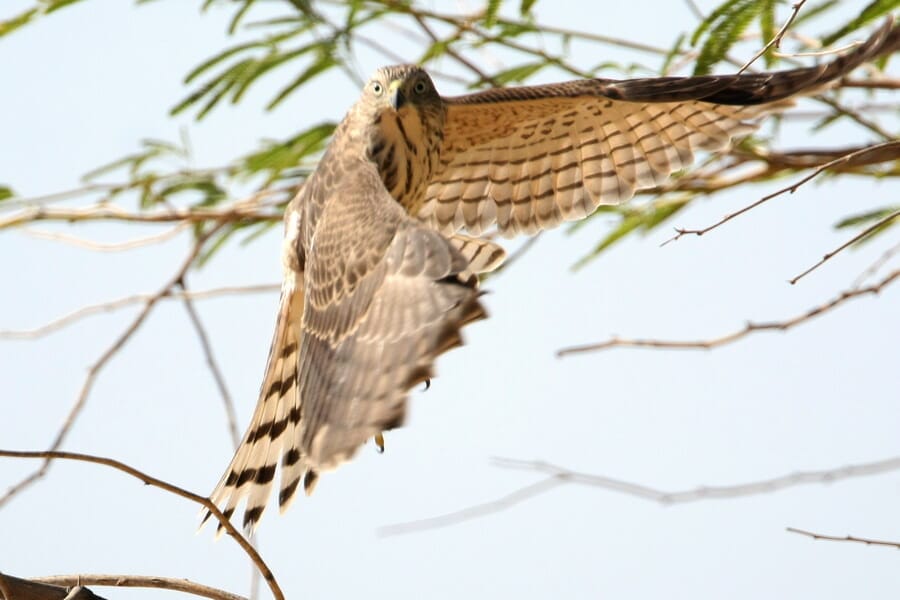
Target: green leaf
{"points": [[268, 42], [866, 217], [436, 49], [673, 52], [490, 13], [278, 157], [808, 14], [19, 20], [767, 29], [238, 16], [55, 5], [875, 9], [6, 193], [643, 218], [525, 7], [518, 74], [324, 62], [725, 26], [871, 217]]}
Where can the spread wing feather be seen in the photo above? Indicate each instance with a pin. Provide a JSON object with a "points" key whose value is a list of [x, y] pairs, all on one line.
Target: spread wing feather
{"points": [[361, 321], [528, 158]]}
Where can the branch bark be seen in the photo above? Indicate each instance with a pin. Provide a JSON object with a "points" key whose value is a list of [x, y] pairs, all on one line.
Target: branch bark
{"points": [[171, 488]]}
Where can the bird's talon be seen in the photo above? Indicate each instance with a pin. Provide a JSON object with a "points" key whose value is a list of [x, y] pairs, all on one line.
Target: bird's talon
{"points": [[379, 442]]}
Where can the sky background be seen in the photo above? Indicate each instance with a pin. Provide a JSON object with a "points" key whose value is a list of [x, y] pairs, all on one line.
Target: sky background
{"points": [[83, 87]]}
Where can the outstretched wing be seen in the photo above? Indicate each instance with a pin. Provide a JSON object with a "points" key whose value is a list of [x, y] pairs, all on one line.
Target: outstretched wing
{"points": [[380, 296], [525, 159]]}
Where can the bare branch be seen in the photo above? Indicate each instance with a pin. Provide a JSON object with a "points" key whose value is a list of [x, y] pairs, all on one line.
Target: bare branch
{"points": [[108, 212], [734, 336], [107, 355], [171, 488], [846, 538], [557, 476], [112, 305], [877, 264], [140, 581], [891, 148], [871, 84], [863, 234], [104, 246], [775, 41], [824, 52], [24, 589], [473, 512], [214, 369]]}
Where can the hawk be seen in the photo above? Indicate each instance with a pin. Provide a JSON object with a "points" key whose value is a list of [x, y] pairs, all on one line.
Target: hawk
{"points": [[379, 279]]}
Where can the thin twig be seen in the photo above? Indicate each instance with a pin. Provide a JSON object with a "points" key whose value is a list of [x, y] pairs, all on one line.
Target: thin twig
{"points": [[107, 246], [823, 52], [863, 234], [775, 41], [846, 538], [616, 342], [171, 488], [214, 369], [876, 265], [112, 305], [107, 355], [483, 77], [855, 116], [107, 212], [140, 581], [473, 512], [557, 476], [893, 145]]}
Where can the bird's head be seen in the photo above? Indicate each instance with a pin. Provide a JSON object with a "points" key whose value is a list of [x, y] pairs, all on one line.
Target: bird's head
{"points": [[400, 102], [400, 119], [402, 89]]}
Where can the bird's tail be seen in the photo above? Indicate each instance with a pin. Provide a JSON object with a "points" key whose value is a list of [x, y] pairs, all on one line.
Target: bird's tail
{"points": [[272, 429], [483, 256]]}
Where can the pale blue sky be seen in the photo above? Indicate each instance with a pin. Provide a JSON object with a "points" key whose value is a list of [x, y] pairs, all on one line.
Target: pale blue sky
{"points": [[83, 87]]}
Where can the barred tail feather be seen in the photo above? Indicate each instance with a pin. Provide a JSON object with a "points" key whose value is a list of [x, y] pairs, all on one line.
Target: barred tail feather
{"points": [[272, 432]]}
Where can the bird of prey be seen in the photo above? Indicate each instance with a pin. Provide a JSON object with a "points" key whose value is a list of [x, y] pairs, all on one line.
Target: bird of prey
{"points": [[378, 276]]}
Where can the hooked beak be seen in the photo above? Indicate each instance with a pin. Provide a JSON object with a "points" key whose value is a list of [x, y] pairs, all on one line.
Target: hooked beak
{"points": [[397, 97]]}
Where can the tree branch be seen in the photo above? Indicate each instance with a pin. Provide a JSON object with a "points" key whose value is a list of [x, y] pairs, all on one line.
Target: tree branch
{"points": [[734, 336], [171, 488], [863, 234], [846, 538], [112, 305], [214, 369], [13, 588], [775, 41], [107, 355], [557, 476], [141, 581], [892, 148]]}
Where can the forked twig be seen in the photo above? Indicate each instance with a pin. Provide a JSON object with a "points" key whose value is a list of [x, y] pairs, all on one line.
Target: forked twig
{"points": [[775, 41], [736, 335], [892, 145], [104, 359], [171, 488], [863, 234], [556, 476]]}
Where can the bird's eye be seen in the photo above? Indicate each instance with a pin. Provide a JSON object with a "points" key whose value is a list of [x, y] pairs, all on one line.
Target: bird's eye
{"points": [[377, 88], [420, 87]]}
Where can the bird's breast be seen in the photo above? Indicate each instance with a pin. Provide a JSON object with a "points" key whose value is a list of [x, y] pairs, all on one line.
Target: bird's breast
{"points": [[405, 156]]}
